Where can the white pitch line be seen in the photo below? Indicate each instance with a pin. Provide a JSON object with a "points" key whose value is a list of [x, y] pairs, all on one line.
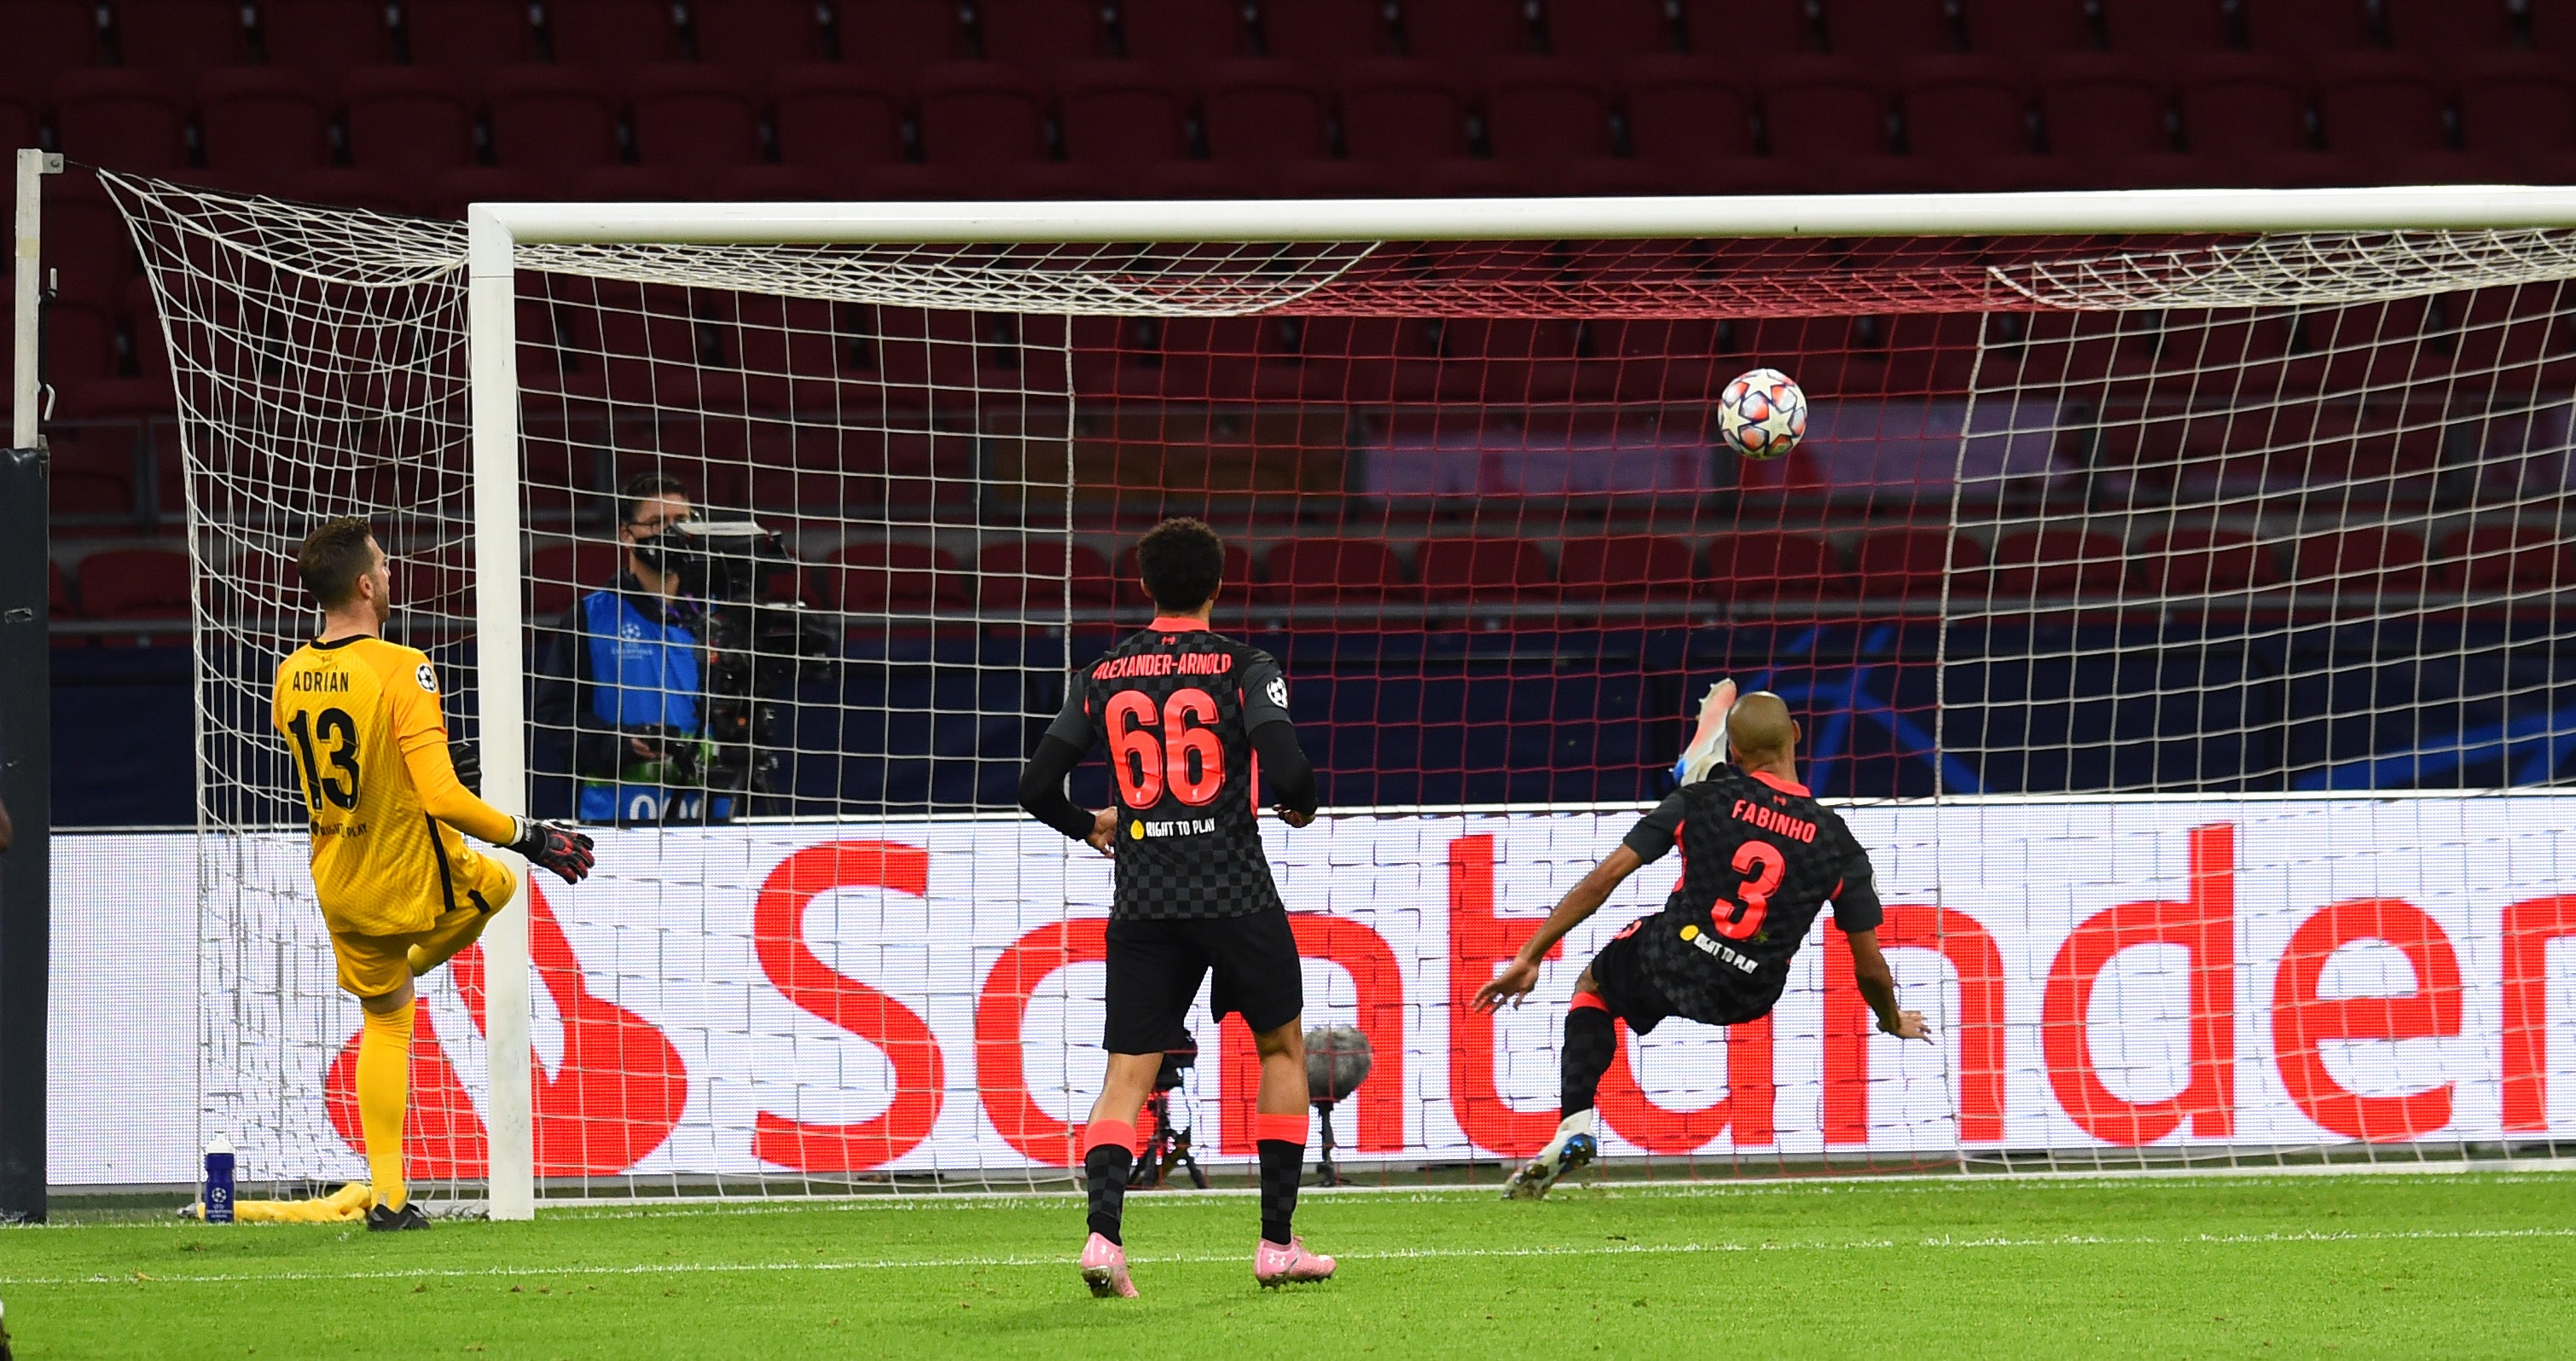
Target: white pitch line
{"points": [[1943, 1242]]}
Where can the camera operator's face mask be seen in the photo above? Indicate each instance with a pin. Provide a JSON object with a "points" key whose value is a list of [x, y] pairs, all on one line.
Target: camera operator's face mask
{"points": [[650, 536]]}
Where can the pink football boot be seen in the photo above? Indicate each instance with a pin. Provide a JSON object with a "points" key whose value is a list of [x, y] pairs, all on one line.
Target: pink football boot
{"points": [[1104, 1269], [1281, 1264]]}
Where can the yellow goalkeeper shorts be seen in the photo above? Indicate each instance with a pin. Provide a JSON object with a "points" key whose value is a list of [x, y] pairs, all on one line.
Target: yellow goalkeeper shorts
{"points": [[371, 966]]}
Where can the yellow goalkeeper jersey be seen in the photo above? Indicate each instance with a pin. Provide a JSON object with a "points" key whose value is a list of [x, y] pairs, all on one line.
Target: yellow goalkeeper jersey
{"points": [[361, 718]]}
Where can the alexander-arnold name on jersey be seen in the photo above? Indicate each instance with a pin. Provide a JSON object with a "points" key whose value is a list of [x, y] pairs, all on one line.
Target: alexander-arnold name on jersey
{"points": [[1140, 830], [1164, 664]]}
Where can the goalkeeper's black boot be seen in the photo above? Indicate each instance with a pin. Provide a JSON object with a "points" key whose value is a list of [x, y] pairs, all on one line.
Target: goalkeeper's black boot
{"points": [[384, 1220]]}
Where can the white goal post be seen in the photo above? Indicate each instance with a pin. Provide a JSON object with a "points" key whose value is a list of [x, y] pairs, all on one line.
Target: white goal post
{"points": [[2067, 296]]}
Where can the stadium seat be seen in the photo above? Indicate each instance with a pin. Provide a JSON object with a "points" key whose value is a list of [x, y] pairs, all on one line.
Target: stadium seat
{"points": [[1821, 115], [1038, 575], [899, 35], [1118, 114], [180, 37], [264, 123], [891, 578], [2027, 28], [551, 119], [2301, 28], [1400, 114], [1888, 28], [757, 35], [1910, 563], [1536, 119], [1685, 112], [1625, 567], [2517, 110], [2040, 563], [2246, 114], [1754, 568], [468, 35], [1325, 31], [325, 37], [1482, 571], [2374, 107], [2435, 28], [1460, 31], [980, 116], [692, 118], [18, 121], [2164, 28], [2520, 559], [1262, 114], [1040, 35], [1608, 30], [2373, 560], [58, 592], [134, 583], [406, 120], [834, 117], [47, 38], [559, 573], [2186, 563], [80, 343], [1187, 33], [1239, 584], [1745, 33], [1324, 571], [2096, 111], [1969, 115], [613, 34], [121, 119]]}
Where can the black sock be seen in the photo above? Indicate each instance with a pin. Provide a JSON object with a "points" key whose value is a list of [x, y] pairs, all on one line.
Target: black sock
{"points": [[1591, 1041], [1105, 1170], [1281, 1164]]}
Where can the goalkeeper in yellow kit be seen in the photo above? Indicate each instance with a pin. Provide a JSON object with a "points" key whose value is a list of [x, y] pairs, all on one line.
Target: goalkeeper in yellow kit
{"points": [[400, 891]]}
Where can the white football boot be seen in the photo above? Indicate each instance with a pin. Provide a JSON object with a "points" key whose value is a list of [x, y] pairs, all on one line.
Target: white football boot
{"points": [[1574, 1146], [1708, 740]]}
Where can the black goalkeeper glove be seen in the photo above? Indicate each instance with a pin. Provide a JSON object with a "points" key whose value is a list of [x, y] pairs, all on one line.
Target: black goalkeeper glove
{"points": [[557, 847], [468, 761]]}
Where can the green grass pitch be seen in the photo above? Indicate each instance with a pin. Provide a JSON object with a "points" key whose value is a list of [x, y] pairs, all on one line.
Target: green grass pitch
{"points": [[2465, 1264]]}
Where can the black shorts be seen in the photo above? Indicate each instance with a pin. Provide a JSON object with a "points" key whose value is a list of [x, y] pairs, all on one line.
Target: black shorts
{"points": [[1155, 968], [1643, 996]]}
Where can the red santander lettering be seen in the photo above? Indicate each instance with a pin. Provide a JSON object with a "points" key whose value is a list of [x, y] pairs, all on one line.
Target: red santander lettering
{"points": [[2529, 926], [2303, 1021]]}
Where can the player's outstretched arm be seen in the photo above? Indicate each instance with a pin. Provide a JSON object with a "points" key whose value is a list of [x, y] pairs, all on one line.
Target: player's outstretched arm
{"points": [[1579, 903], [1042, 796], [1878, 984], [561, 849]]}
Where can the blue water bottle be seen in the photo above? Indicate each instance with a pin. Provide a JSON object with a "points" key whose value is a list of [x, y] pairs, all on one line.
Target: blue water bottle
{"points": [[219, 1180]]}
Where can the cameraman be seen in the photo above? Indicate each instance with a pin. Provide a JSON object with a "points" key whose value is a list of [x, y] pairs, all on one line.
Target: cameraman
{"points": [[624, 675]]}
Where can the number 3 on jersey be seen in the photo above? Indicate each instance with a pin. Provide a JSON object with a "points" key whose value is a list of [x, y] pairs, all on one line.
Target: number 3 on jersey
{"points": [[1187, 757], [1762, 864]]}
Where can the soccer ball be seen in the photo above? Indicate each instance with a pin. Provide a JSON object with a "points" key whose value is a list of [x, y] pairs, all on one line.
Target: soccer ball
{"points": [[1762, 414]]}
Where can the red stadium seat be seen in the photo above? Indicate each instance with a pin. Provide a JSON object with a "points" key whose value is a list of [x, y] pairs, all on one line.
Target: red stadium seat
{"points": [[2164, 28], [2377, 105], [263, 122], [1746, 33], [80, 343], [835, 117], [1190, 32], [2096, 110], [1888, 28], [47, 38], [2035, 564], [899, 35], [2514, 559], [18, 121], [1325, 31], [757, 35], [406, 120], [58, 592], [1041, 35], [1482, 571], [1965, 112], [1461, 30], [892, 578], [325, 37], [2234, 108], [552, 119], [2297, 28], [1819, 114], [558, 575], [180, 37], [104, 498], [1752, 568], [1534, 119], [1041, 575], [121, 119], [1118, 114], [1681, 114], [1332, 571], [1400, 114], [2517, 107], [693, 118], [2370, 561], [2027, 28], [135, 583], [2429, 28], [1263, 114], [613, 34], [468, 35], [1238, 582], [981, 116], [2189, 563], [1625, 566], [1910, 563], [1608, 29]]}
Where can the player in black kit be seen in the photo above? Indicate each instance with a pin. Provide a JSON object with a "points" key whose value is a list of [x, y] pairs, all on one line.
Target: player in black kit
{"points": [[1193, 721], [1760, 857]]}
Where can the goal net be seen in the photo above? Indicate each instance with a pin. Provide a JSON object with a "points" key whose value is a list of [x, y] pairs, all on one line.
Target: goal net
{"points": [[2175, 613]]}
